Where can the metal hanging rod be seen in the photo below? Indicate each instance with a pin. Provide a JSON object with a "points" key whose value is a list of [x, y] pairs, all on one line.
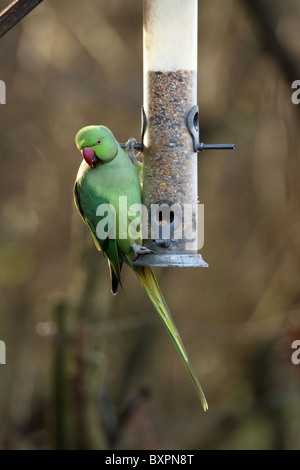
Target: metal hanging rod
{"points": [[202, 146], [14, 13], [193, 127]]}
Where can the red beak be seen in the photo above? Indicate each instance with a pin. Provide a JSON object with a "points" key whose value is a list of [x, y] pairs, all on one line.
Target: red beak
{"points": [[89, 156]]}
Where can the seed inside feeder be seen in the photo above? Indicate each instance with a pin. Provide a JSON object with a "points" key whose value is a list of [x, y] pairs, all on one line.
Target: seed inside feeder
{"points": [[170, 164]]}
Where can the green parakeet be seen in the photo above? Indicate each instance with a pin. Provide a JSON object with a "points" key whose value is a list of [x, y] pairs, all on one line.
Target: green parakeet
{"points": [[105, 175]]}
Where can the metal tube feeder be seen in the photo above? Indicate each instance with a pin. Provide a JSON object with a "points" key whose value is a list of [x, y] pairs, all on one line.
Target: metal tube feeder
{"points": [[170, 134]]}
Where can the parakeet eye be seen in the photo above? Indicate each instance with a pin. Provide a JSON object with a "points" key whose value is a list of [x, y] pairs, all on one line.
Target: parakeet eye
{"points": [[99, 141]]}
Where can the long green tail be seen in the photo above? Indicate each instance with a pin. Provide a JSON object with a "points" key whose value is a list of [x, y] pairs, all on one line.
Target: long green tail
{"points": [[152, 289]]}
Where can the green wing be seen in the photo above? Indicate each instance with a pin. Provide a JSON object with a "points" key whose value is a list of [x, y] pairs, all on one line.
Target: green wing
{"points": [[87, 210]]}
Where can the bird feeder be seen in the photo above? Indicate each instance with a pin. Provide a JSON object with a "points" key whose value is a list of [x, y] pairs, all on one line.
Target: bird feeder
{"points": [[170, 133]]}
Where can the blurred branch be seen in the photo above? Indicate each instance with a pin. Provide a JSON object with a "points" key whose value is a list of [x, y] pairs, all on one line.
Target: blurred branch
{"points": [[264, 19], [61, 387], [114, 422], [14, 13]]}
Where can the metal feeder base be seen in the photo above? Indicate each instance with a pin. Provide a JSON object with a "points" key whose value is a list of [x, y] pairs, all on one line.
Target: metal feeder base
{"points": [[182, 260]]}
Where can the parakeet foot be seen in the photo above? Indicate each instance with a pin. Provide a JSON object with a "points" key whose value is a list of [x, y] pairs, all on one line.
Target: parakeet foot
{"points": [[140, 250], [130, 150]]}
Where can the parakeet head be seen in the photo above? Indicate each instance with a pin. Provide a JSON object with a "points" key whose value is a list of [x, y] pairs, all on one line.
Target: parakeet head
{"points": [[97, 144]]}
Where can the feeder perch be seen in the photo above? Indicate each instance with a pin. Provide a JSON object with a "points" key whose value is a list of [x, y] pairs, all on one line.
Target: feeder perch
{"points": [[170, 133]]}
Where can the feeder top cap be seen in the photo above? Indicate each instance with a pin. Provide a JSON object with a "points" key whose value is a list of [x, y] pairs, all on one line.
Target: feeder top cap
{"points": [[170, 35]]}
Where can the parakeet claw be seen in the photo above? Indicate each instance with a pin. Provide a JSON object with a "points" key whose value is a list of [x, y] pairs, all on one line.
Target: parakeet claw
{"points": [[140, 250], [130, 150]]}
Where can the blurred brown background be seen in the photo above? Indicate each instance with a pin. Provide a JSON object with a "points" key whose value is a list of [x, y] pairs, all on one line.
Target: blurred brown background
{"points": [[89, 370]]}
